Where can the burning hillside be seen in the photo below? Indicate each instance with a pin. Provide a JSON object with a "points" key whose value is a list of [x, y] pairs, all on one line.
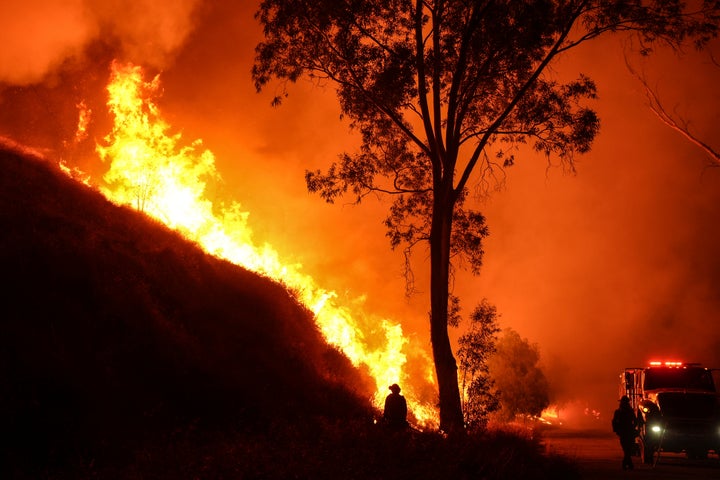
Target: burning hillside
{"points": [[115, 326], [130, 353], [151, 169]]}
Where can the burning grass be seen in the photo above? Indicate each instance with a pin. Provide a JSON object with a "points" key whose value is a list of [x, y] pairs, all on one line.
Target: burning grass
{"points": [[127, 352]]}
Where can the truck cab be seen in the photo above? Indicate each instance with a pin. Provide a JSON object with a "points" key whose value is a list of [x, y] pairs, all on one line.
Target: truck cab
{"points": [[677, 408]]}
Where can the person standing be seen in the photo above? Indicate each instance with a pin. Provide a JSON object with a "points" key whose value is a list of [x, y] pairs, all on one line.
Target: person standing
{"points": [[395, 414], [624, 424]]}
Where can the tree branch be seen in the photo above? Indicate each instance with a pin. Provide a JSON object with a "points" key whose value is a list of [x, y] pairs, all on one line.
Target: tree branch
{"points": [[517, 97], [680, 125]]}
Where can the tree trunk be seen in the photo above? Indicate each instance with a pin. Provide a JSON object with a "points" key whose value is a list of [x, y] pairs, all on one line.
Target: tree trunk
{"points": [[451, 417]]}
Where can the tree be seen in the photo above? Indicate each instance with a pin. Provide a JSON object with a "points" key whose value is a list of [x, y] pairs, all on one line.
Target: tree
{"points": [[674, 121], [476, 345], [441, 91], [516, 372]]}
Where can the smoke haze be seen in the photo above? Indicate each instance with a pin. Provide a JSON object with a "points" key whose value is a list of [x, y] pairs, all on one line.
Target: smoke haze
{"points": [[34, 43], [37, 36], [610, 267]]}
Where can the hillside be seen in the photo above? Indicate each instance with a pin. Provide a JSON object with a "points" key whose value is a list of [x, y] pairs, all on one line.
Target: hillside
{"points": [[127, 352], [115, 329]]}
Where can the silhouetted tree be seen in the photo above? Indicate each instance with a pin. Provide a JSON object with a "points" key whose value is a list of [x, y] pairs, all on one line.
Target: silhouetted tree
{"points": [[514, 367], [476, 345], [441, 91]]}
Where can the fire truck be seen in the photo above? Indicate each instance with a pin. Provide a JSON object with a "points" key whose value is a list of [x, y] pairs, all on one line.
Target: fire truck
{"points": [[677, 408]]}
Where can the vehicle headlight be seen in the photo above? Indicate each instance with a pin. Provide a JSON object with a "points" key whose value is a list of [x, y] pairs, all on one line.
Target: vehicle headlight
{"points": [[655, 428]]}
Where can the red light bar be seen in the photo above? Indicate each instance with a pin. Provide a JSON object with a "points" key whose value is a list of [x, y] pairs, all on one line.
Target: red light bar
{"points": [[667, 364]]}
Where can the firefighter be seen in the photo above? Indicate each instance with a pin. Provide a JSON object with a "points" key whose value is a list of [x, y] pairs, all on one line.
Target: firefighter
{"points": [[624, 424], [395, 414]]}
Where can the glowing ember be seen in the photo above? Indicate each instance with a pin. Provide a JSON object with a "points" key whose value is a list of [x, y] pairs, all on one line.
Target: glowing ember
{"points": [[151, 171]]}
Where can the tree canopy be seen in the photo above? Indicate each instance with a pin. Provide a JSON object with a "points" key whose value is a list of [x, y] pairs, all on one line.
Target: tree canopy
{"points": [[476, 346], [442, 93], [515, 369]]}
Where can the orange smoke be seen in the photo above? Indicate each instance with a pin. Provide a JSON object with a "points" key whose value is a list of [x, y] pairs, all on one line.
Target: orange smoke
{"points": [[154, 172]]}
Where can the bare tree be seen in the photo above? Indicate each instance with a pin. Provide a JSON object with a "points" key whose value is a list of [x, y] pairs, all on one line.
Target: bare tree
{"points": [[672, 119]]}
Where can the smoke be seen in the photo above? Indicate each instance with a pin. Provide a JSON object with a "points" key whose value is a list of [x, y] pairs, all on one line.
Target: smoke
{"points": [[617, 264], [150, 32], [37, 36]]}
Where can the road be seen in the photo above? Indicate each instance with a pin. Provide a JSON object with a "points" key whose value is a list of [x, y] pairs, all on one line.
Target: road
{"points": [[599, 456]]}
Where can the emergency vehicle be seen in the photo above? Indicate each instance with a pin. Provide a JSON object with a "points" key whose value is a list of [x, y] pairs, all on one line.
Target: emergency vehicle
{"points": [[677, 408]]}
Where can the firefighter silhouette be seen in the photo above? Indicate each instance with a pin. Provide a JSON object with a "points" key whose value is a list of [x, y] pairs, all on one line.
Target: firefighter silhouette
{"points": [[624, 424], [395, 414]]}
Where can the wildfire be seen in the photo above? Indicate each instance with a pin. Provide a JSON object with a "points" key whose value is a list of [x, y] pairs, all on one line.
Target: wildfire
{"points": [[83, 121], [152, 171]]}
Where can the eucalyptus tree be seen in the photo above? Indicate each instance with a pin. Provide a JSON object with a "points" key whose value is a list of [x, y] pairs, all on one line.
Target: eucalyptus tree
{"points": [[441, 91]]}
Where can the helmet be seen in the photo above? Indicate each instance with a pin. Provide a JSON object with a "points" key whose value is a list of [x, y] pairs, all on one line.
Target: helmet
{"points": [[395, 388], [625, 399]]}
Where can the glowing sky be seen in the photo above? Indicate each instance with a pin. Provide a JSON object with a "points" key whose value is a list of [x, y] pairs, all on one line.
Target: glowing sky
{"points": [[603, 269]]}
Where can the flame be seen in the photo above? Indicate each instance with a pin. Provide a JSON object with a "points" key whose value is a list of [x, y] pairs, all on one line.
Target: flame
{"points": [[152, 171], [75, 173], [84, 115]]}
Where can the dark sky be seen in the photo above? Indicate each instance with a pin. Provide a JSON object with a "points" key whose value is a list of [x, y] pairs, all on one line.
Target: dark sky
{"points": [[609, 267]]}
